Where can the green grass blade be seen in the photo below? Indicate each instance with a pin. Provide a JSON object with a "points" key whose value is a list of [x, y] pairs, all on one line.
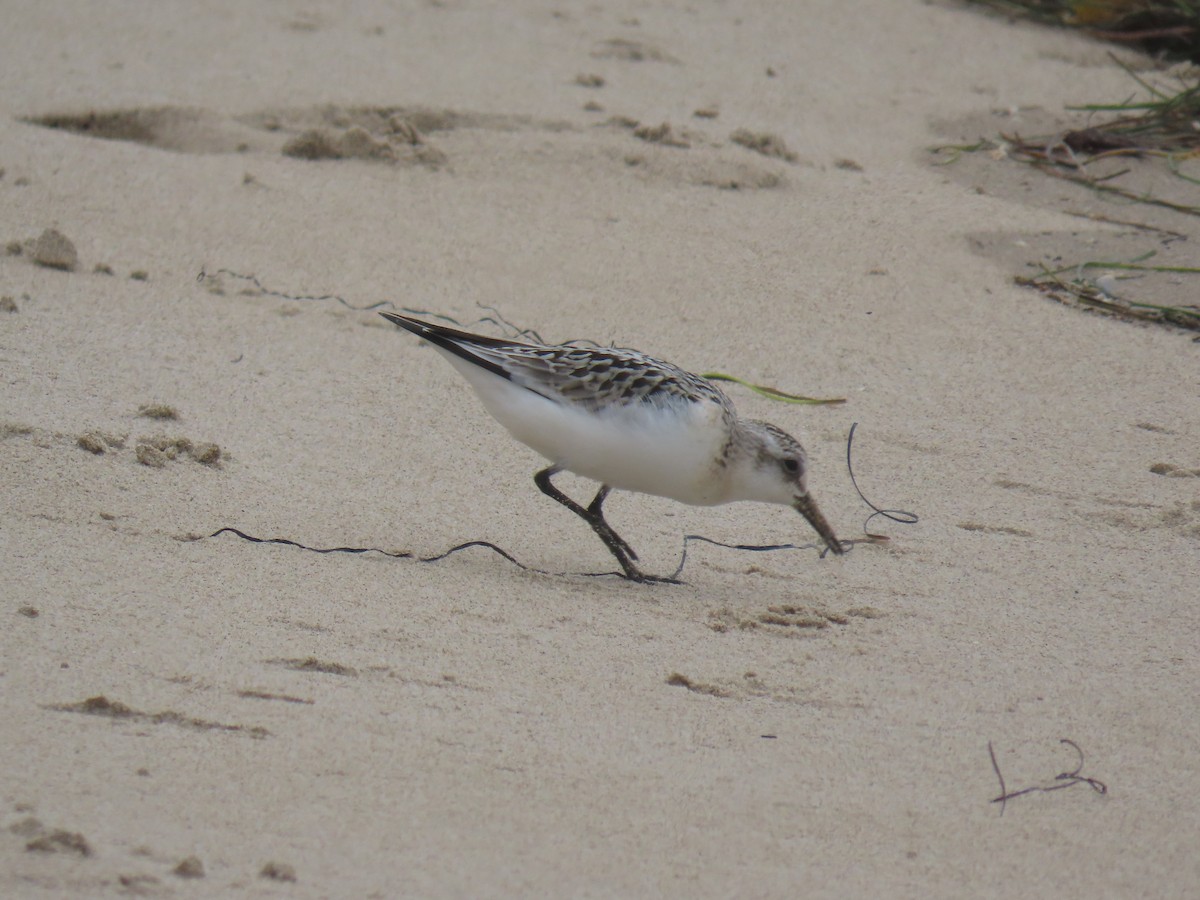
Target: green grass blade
{"points": [[773, 393]]}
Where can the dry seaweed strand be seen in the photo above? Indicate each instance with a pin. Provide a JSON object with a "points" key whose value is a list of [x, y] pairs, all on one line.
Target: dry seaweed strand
{"points": [[500, 551], [1080, 292], [1161, 129], [1161, 126], [896, 515], [1167, 234], [1061, 780]]}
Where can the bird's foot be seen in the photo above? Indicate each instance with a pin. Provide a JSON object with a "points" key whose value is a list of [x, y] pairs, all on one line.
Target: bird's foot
{"points": [[632, 573]]}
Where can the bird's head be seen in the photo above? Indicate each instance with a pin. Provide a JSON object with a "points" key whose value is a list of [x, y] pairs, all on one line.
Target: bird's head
{"points": [[772, 467]]}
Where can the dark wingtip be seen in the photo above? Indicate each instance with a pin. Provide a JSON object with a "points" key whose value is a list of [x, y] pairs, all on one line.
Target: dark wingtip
{"points": [[461, 343], [414, 325]]}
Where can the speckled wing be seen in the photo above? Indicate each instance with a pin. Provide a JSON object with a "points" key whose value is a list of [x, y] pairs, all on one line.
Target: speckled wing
{"points": [[604, 378], [591, 378]]}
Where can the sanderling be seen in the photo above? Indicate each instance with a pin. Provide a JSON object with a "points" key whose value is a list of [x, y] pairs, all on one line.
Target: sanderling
{"points": [[630, 422]]}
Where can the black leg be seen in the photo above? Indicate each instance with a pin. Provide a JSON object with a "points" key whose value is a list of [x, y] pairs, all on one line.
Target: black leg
{"points": [[598, 514], [594, 517], [616, 545]]}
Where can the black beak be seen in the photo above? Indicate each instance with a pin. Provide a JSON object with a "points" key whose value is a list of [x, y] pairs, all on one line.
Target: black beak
{"points": [[807, 507]]}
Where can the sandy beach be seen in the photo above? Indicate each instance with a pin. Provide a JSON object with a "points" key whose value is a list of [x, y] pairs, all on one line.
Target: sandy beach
{"points": [[239, 188]]}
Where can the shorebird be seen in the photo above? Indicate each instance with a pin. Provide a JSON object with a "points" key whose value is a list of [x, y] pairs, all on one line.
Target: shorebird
{"points": [[630, 422]]}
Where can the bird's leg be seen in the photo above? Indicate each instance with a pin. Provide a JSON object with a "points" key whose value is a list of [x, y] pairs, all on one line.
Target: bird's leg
{"points": [[594, 517], [598, 515], [615, 545]]}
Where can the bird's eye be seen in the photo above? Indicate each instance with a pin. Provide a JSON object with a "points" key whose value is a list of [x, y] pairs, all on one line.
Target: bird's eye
{"points": [[791, 466]]}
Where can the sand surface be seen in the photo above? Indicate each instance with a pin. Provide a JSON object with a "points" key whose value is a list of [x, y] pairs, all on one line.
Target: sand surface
{"points": [[781, 725]]}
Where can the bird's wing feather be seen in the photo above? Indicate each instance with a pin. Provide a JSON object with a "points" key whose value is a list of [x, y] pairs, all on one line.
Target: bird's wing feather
{"points": [[590, 377]]}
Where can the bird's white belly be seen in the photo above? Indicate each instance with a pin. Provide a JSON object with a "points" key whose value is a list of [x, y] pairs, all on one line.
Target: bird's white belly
{"points": [[669, 452]]}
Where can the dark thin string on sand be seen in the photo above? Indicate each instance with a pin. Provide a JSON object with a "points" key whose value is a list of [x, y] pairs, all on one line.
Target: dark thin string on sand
{"points": [[500, 551], [901, 516], [394, 554], [1063, 779], [270, 292], [495, 318]]}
